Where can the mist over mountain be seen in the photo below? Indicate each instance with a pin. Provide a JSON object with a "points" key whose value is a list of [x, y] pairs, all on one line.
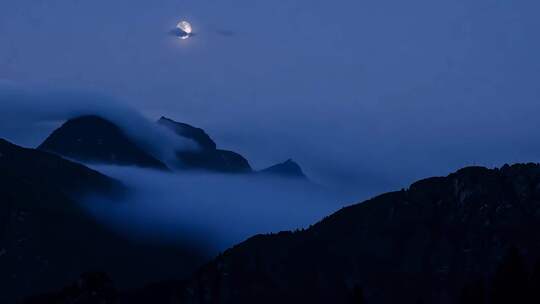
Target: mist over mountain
{"points": [[422, 243], [207, 157], [48, 239], [463, 238], [288, 168], [196, 134], [138, 167], [32, 113], [215, 210], [92, 139], [176, 206], [95, 140]]}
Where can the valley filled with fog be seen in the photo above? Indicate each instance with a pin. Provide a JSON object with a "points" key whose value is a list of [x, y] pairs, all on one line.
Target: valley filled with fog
{"points": [[209, 211]]}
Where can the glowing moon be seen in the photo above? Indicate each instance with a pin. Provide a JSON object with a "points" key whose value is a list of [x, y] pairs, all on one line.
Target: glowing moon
{"points": [[184, 29]]}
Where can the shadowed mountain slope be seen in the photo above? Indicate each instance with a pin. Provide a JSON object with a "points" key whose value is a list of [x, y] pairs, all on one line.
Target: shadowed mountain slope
{"points": [[93, 139], [423, 243], [207, 157], [52, 172], [47, 239], [196, 134]]}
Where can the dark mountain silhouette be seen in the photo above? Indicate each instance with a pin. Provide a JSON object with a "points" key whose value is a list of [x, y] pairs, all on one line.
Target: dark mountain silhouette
{"points": [[196, 134], [214, 160], [288, 168], [417, 245], [207, 157], [469, 237], [52, 172], [96, 140], [514, 281], [92, 288], [47, 239]]}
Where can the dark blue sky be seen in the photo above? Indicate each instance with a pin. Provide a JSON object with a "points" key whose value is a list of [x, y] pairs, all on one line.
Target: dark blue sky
{"points": [[371, 93]]}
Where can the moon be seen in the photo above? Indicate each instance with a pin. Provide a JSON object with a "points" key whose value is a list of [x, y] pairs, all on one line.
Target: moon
{"points": [[184, 30]]}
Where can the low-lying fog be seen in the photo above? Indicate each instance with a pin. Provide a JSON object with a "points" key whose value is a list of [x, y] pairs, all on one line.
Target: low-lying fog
{"points": [[220, 210], [212, 211], [209, 210]]}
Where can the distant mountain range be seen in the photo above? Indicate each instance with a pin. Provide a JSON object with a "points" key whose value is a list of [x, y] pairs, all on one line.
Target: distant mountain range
{"points": [[288, 168], [93, 139]]}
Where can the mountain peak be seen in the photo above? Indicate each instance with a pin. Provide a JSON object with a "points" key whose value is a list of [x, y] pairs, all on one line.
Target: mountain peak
{"points": [[288, 168], [188, 131], [209, 157], [91, 138]]}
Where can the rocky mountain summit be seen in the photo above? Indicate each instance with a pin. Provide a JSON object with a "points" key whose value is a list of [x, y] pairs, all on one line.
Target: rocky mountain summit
{"points": [[198, 135], [208, 157]]}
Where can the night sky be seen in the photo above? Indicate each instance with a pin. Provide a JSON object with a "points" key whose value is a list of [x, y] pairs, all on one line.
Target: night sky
{"points": [[365, 95]]}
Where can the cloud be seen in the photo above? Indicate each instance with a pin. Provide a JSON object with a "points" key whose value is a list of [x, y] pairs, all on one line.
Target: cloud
{"points": [[30, 114], [214, 211]]}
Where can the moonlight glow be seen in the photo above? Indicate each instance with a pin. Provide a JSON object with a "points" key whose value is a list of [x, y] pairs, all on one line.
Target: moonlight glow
{"points": [[184, 29]]}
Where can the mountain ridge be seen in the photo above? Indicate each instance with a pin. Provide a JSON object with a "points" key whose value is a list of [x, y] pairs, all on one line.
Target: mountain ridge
{"points": [[423, 242], [208, 157], [93, 139], [188, 131], [53, 171], [433, 242]]}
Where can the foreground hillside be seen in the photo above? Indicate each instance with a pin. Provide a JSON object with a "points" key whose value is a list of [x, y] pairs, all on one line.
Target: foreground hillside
{"points": [[421, 244], [46, 239]]}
